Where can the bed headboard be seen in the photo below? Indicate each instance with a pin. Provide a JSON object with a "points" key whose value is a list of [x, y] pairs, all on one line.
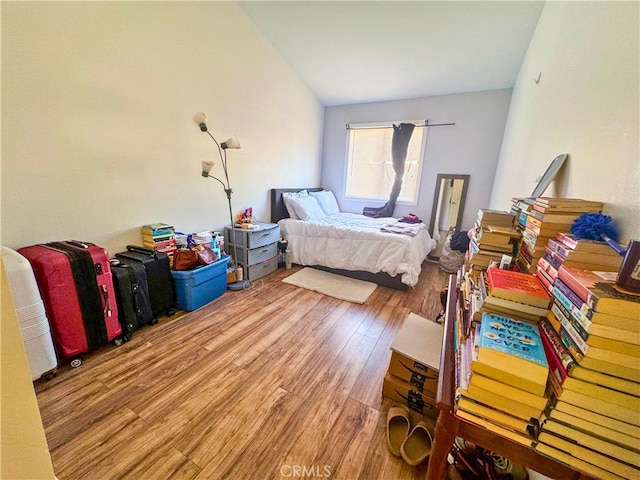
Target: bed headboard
{"points": [[278, 210]]}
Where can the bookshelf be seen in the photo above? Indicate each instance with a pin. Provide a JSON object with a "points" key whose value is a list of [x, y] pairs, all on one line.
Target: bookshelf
{"points": [[448, 426]]}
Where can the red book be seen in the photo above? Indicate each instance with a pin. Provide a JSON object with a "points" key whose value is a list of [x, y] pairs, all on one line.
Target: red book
{"points": [[517, 287], [598, 291]]}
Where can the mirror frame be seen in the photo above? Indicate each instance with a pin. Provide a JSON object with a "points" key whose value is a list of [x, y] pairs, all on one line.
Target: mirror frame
{"points": [[436, 196]]}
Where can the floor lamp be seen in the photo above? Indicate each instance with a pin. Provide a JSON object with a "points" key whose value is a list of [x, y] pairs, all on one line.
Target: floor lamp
{"points": [[201, 120]]}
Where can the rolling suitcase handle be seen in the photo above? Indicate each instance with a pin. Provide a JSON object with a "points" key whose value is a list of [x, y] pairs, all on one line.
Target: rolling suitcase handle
{"points": [[145, 251]]}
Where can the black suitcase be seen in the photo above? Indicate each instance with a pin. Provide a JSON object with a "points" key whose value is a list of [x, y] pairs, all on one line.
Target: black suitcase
{"points": [[159, 281], [132, 292]]}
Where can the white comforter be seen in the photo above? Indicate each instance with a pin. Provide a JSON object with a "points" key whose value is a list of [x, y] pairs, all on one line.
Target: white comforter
{"points": [[354, 242]]}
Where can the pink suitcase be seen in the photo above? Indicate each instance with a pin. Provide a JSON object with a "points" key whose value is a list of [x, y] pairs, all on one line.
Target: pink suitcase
{"points": [[76, 286]]}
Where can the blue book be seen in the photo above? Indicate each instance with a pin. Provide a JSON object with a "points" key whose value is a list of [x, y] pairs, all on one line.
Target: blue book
{"points": [[511, 351]]}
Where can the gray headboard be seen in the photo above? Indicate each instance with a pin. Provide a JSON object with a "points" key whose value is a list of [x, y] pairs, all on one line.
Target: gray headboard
{"points": [[278, 210]]}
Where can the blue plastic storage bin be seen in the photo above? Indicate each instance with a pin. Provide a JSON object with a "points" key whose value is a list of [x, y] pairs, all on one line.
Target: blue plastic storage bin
{"points": [[195, 288]]}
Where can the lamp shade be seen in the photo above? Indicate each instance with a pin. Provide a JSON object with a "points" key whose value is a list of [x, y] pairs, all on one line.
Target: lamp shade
{"points": [[201, 120], [232, 142], [206, 168]]}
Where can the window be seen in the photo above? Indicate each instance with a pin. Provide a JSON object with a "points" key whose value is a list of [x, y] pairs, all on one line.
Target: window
{"points": [[369, 163]]}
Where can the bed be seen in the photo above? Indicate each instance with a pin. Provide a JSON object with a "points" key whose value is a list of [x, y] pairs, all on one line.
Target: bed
{"points": [[353, 245]]}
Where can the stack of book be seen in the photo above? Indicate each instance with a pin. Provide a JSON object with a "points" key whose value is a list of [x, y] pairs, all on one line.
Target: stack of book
{"points": [[520, 208], [502, 377], [592, 342], [548, 217], [567, 249], [493, 234], [514, 294], [159, 236]]}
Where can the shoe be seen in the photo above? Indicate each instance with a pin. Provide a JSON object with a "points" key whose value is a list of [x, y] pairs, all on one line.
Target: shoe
{"points": [[398, 426], [417, 447]]}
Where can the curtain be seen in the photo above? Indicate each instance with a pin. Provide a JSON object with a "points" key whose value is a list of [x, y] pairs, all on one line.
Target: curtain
{"points": [[399, 145]]}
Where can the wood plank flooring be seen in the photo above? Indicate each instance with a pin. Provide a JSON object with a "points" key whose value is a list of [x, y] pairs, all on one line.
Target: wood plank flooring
{"points": [[274, 382]]}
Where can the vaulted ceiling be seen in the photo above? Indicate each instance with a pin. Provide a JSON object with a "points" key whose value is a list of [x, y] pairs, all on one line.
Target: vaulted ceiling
{"points": [[364, 51]]}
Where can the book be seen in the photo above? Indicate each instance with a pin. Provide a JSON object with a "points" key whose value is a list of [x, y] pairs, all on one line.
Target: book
{"points": [[549, 269], [602, 336], [603, 264], [603, 366], [603, 407], [595, 418], [576, 203], [586, 316], [497, 236], [589, 441], [627, 344], [515, 394], [158, 226], [494, 217], [495, 416], [575, 462], [511, 352], [587, 351], [615, 435], [584, 245], [554, 217], [494, 428], [608, 258], [590, 456], [562, 365], [546, 229], [517, 287], [519, 311], [597, 290]]}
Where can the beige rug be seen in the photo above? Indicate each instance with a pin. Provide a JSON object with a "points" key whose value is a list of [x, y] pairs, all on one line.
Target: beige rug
{"points": [[338, 286]]}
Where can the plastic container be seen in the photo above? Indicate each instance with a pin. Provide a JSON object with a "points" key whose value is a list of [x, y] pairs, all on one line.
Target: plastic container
{"points": [[195, 288]]}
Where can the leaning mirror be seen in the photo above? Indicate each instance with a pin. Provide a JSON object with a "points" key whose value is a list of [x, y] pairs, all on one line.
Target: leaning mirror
{"points": [[448, 207]]}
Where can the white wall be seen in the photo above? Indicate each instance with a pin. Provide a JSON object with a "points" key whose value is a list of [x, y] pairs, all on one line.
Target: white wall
{"points": [[97, 107], [470, 147], [586, 104]]}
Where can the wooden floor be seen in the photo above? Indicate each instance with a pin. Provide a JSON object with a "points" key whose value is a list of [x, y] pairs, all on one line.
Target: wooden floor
{"points": [[258, 384]]}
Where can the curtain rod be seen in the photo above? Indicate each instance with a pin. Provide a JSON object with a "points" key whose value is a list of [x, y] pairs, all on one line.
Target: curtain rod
{"points": [[425, 124]]}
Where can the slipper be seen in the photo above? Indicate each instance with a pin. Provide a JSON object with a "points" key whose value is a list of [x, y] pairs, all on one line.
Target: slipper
{"points": [[417, 447], [398, 426]]}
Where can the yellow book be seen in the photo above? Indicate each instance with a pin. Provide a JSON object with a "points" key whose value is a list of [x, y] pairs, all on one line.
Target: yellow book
{"points": [[494, 400], [497, 429], [594, 443], [586, 426], [625, 347], [574, 462], [597, 418], [494, 415], [515, 394], [601, 393], [624, 414], [615, 383], [589, 456]]}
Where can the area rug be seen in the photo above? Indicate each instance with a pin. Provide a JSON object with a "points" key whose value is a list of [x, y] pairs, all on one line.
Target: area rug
{"points": [[338, 286]]}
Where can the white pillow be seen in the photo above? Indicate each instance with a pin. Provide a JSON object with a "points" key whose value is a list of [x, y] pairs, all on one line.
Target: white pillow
{"points": [[287, 199], [327, 201], [307, 208]]}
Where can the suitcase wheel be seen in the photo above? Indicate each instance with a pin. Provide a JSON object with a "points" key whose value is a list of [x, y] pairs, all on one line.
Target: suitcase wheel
{"points": [[76, 362], [118, 342], [154, 321], [49, 375]]}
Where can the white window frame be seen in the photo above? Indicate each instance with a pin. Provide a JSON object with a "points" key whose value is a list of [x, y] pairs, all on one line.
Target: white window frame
{"points": [[422, 159]]}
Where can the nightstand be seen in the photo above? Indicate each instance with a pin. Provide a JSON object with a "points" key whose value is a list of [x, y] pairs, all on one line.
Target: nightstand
{"points": [[257, 250]]}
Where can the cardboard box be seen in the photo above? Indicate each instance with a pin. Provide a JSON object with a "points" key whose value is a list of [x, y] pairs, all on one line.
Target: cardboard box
{"points": [[416, 352], [406, 394], [423, 377]]}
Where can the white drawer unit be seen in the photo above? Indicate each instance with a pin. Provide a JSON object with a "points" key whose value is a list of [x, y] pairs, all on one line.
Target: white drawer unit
{"points": [[255, 250]]}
